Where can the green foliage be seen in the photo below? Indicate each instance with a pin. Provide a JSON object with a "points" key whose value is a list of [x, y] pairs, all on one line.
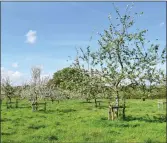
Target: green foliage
{"points": [[68, 78], [158, 92], [8, 89]]}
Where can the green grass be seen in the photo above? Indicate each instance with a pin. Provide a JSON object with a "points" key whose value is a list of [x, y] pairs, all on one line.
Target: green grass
{"points": [[77, 121]]}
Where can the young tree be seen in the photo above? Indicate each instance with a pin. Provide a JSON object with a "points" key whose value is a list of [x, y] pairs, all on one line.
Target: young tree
{"points": [[36, 83], [8, 89], [50, 91], [123, 57], [91, 84], [34, 88]]}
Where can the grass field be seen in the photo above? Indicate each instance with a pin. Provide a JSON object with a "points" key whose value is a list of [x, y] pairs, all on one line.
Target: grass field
{"points": [[77, 121]]}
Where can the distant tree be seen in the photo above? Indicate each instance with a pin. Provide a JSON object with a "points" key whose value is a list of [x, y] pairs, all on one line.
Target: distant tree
{"points": [[67, 78], [33, 90], [91, 86], [8, 89]]}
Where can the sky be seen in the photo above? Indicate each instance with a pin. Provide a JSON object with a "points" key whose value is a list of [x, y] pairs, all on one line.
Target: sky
{"points": [[46, 33]]}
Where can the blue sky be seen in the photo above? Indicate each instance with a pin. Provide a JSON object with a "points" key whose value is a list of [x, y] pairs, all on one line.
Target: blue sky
{"points": [[56, 28]]}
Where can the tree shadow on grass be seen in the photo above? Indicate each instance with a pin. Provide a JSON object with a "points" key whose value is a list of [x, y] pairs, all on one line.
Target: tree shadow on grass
{"points": [[121, 124], [147, 119], [102, 107], [7, 134], [46, 111], [5, 120], [124, 125], [53, 138], [98, 107], [86, 102], [36, 126], [66, 110], [24, 107], [42, 116], [60, 111]]}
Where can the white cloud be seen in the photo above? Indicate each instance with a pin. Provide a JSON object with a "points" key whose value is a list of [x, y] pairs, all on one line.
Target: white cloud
{"points": [[31, 37], [15, 65], [16, 77], [162, 24]]}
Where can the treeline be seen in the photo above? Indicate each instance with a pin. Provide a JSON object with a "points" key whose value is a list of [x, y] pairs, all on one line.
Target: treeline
{"points": [[72, 79], [121, 67]]}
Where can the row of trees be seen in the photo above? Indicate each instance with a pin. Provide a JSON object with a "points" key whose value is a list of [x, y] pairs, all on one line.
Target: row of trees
{"points": [[122, 61], [34, 91]]}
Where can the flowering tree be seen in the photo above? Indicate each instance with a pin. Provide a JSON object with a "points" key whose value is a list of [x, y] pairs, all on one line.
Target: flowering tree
{"points": [[8, 89], [34, 88], [38, 89], [91, 84], [124, 58]]}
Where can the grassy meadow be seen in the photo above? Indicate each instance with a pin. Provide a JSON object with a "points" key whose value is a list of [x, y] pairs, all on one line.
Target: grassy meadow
{"points": [[78, 121]]}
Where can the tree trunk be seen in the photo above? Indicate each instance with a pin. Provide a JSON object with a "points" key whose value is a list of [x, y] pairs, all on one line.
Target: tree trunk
{"points": [[36, 98], [16, 103], [36, 103], [36, 106], [95, 102], [117, 102], [45, 106], [112, 114], [109, 112], [10, 100], [33, 107], [110, 99], [52, 100], [7, 105], [123, 112]]}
